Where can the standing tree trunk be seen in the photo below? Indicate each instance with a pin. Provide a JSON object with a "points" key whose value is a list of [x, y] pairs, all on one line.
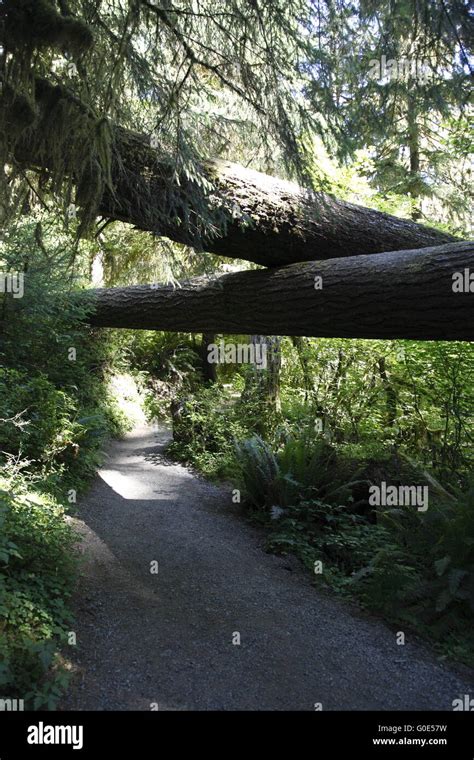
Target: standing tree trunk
{"points": [[209, 370], [262, 385], [390, 392], [414, 148], [301, 346]]}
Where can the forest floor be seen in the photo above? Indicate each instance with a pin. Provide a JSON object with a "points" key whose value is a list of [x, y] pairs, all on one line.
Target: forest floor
{"points": [[167, 640]]}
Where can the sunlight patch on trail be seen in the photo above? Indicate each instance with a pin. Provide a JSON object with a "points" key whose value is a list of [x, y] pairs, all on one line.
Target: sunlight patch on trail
{"points": [[128, 397]]}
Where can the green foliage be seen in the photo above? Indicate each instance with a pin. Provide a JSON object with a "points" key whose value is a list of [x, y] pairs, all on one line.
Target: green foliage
{"points": [[411, 566], [302, 466], [168, 357], [331, 533], [36, 572], [439, 546], [37, 416], [412, 397], [54, 405], [263, 482], [206, 424], [55, 412], [403, 115]]}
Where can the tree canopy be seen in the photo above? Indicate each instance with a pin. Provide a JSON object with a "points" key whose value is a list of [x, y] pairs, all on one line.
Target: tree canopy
{"points": [[243, 80]]}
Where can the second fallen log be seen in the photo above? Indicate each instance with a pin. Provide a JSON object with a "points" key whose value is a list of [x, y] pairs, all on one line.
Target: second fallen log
{"points": [[401, 294]]}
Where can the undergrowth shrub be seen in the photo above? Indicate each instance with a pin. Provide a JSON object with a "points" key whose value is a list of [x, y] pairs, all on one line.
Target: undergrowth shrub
{"points": [[414, 567], [205, 426], [36, 573], [301, 467], [37, 417], [55, 413]]}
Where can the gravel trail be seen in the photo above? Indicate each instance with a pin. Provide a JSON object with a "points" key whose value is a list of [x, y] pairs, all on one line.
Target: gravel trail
{"points": [[164, 640]]}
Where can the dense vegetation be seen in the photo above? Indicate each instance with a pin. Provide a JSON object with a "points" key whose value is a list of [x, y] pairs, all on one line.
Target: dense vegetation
{"points": [[283, 87], [350, 415], [55, 411]]}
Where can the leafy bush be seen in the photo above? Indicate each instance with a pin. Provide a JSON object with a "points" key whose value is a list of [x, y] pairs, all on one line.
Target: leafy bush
{"points": [[303, 466], [263, 483], [55, 411], [416, 567], [439, 545], [412, 396], [36, 572], [317, 531], [162, 354], [45, 411], [205, 425]]}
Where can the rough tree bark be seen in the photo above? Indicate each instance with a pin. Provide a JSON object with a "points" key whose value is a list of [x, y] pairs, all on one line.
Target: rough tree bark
{"points": [[301, 347], [209, 370], [262, 386], [270, 221], [267, 221], [400, 294], [390, 393]]}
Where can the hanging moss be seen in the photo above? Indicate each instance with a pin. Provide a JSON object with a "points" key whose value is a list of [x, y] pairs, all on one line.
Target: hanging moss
{"points": [[36, 24], [75, 145], [18, 110]]}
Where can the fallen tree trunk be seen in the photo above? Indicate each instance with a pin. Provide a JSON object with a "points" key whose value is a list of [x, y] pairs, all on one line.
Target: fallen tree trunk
{"points": [[261, 219], [268, 221], [401, 294]]}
